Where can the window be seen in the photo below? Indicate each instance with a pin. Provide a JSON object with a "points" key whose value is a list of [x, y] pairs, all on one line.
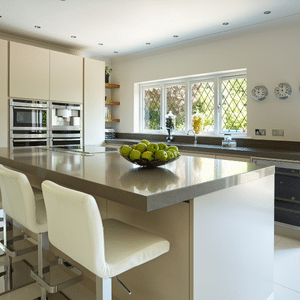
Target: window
{"points": [[221, 98]]}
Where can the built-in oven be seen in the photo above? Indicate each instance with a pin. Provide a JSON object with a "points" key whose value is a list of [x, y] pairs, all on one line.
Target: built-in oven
{"points": [[65, 124], [29, 115], [29, 138], [287, 189], [29, 123], [65, 138], [65, 116]]}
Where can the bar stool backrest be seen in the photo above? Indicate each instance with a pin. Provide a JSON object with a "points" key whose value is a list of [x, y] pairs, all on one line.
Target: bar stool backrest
{"points": [[18, 199], [75, 226]]}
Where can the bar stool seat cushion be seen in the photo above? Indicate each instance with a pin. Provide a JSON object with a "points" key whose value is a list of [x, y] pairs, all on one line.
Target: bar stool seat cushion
{"points": [[127, 247], [19, 201]]}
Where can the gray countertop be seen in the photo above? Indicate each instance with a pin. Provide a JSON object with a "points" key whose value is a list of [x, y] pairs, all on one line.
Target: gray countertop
{"points": [[219, 150], [110, 176]]}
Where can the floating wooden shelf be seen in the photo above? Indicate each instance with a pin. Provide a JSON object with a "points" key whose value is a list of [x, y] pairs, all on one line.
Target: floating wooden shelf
{"points": [[112, 86], [112, 121], [112, 103]]}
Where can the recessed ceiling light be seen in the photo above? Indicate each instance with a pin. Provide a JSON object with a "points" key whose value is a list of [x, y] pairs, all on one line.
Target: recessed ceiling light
{"points": [[36, 26], [175, 36], [100, 44], [267, 12], [73, 36], [115, 51], [225, 23], [148, 44]]}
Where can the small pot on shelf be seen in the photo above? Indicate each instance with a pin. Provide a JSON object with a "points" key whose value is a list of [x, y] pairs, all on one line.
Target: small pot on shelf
{"points": [[106, 78]]}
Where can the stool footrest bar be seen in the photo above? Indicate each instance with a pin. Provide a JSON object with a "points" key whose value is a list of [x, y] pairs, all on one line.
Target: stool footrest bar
{"points": [[15, 253], [59, 287]]}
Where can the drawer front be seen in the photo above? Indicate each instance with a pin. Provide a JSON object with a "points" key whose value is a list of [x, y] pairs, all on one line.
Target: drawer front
{"points": [[287, 217], [287, 187]]}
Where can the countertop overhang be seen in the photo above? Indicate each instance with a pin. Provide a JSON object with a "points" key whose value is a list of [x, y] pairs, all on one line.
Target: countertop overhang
{"points": [[110, 176]]}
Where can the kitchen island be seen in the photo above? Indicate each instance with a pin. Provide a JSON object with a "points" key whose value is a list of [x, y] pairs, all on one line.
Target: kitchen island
{"points": [[218, 216]]}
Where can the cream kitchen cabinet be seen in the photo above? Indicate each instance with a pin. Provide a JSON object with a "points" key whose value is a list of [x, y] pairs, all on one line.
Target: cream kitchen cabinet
{"points": [[94, 93], [3, 93], [28, 72], [66, 77]]}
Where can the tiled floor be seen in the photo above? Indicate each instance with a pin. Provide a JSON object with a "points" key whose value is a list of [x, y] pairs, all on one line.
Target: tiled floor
{"points": [[286, 276]]}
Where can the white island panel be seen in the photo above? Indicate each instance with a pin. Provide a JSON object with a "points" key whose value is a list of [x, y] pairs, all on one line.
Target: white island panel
{"points": [[233, 236]]}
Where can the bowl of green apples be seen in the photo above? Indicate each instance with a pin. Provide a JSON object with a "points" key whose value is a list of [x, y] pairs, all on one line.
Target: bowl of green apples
{"points": [[149, 155]]}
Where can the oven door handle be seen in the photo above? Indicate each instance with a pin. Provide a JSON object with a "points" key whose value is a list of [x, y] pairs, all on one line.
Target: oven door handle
{"points": [[30, 108], [74, 139], [30, 140]]}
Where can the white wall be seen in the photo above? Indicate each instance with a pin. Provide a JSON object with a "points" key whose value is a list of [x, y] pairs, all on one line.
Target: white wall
{"points": [[270, 56]]}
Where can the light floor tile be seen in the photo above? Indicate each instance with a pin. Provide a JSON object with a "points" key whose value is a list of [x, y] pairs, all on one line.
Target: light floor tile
{"points": [[28, 292], [287, 263], [282, 293], [277, 238]]}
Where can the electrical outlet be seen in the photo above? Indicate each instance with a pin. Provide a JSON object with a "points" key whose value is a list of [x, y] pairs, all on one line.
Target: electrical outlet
{"points": [[277, 132], [260, 131]]}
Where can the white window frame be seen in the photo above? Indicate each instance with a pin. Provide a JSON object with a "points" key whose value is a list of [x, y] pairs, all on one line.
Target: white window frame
{"points": [[188, 81]]}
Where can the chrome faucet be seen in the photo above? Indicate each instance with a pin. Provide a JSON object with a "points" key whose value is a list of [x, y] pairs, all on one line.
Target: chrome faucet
{"points": [[195, 141]]}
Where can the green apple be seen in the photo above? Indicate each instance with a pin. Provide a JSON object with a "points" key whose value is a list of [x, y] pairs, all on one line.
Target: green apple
{"points": [[135, 154], [175, 153], [141, 147], [161, 155], [170, 155], [146, 142], [133, 146], [125, 150], [173, 147], [153, 147], [162, 146], [147, 155]]}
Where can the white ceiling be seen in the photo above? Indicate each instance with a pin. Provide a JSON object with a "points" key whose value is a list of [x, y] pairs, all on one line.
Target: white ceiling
{"points": [[126, 26]]}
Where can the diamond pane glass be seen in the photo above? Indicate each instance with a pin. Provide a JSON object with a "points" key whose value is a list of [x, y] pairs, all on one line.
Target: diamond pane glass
{"points": [[152, 108], [234, 105], [203, 101], [176, 104]]}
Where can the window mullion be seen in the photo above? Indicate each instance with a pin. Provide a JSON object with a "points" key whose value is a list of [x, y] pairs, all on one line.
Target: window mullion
{"points": [[188, 105], [163, 105], [218, 106]]}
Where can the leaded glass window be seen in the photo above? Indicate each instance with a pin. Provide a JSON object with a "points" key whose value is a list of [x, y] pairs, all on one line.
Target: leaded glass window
{"points": [[203, 101], [221, 98], [234, 105], [152, 105], [175, 95]]}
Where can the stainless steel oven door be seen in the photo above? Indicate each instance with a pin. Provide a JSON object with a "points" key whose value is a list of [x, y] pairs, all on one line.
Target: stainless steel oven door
{"points": [[28, 118], [66, 142], [14, 143]]}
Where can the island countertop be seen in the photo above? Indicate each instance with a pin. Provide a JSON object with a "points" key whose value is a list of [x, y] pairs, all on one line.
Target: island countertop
{"points": [[110, 176]]}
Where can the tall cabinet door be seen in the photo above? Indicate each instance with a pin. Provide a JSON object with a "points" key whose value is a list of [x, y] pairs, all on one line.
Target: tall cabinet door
{"points": [[94, 102], [28, 72], [3, 93], [66, 77]]}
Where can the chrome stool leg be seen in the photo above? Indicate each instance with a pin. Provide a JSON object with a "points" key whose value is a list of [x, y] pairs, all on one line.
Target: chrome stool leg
{"points": [[43, 245], [103, 289], [8, 242]]}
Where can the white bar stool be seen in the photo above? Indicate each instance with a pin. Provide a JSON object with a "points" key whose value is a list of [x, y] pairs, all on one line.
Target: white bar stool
{"points": [[22, 205], [106, 248]]}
